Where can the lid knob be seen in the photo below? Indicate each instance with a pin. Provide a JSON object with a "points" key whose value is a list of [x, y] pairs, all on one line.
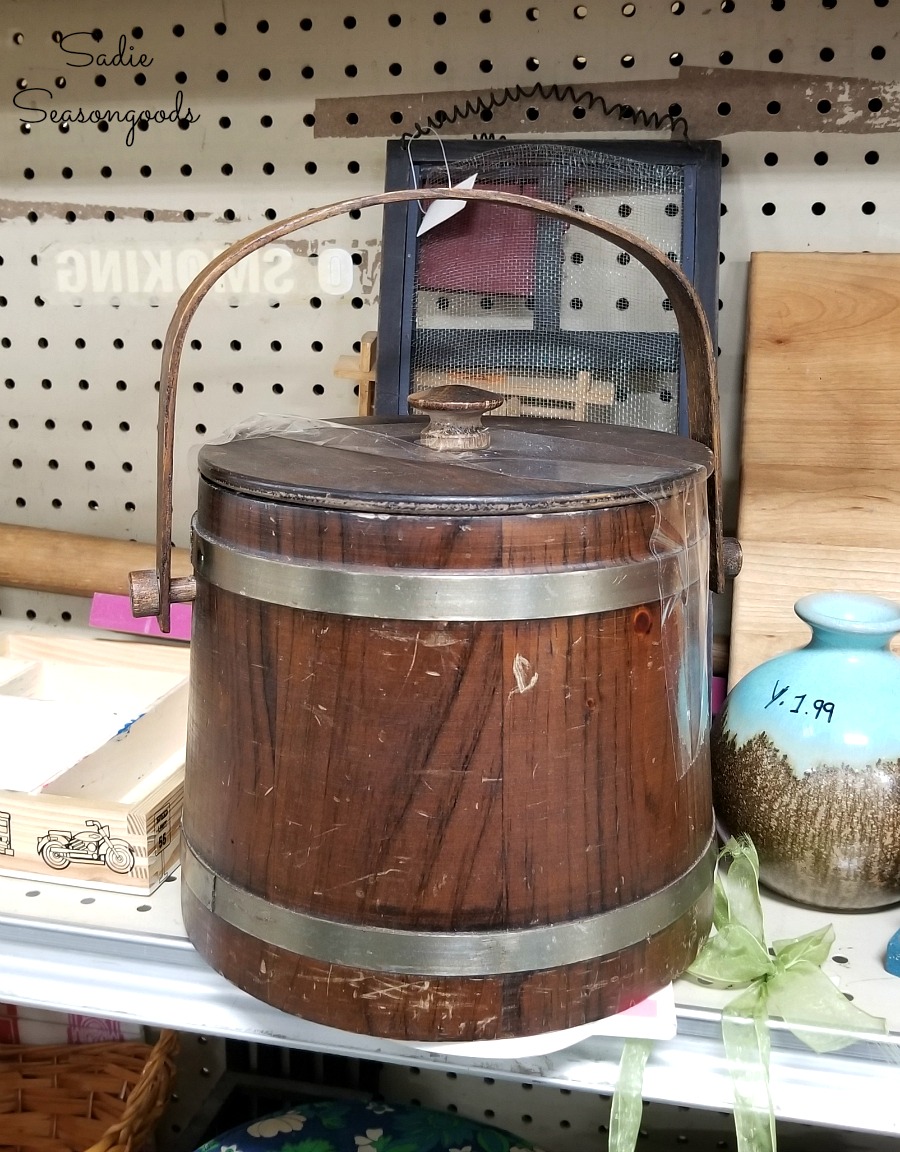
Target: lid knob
{"points": [[455, 412]]}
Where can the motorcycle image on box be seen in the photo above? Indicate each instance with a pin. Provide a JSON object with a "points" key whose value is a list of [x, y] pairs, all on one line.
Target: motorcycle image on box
{"points": [[59, 848]]}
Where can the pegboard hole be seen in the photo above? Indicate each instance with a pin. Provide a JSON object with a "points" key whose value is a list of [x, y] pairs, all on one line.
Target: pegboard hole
{"points": [[318, 389], [878, 52], [726, 57], [875, 105], [868, 208], [440, 17], [627, 61], [768, 209], [818, 209], [773, 107], [776, 56], [823, 106], [676, 59], [872, 157]]}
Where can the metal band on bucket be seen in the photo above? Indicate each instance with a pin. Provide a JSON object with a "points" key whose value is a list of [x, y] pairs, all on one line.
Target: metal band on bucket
{"points": [[488, 953], [445, 595]]}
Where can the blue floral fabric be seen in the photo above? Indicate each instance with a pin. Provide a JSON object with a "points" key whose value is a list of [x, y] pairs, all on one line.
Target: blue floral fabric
{"points": [[351, 1126]]}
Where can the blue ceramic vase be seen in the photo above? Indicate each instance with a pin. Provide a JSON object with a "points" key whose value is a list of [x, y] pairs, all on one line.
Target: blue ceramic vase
{"points": [[806, 758]]}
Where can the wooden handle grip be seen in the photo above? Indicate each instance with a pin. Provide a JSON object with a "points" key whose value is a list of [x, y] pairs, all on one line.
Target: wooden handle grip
{"points": [[454, 413], [72, 565]]}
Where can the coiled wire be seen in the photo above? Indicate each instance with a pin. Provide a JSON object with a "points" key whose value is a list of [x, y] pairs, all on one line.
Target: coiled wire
{"points": [[483, 106]]}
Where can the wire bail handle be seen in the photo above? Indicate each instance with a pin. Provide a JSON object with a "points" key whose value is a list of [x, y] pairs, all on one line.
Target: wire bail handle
{"points": [[154, 591]]}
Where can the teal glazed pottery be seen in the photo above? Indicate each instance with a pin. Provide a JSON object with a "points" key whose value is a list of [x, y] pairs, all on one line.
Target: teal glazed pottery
{"points": [[806, 758]]}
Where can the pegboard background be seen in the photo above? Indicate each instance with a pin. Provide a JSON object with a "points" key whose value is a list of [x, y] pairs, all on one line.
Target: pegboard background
{"points": [[79, 367], [77, 435]]}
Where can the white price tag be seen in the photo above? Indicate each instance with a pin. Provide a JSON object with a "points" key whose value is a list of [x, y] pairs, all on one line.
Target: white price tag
{"points": [[440, 210]]}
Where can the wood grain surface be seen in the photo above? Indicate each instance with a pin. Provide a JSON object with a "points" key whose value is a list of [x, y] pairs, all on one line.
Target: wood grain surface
{"points": [[447, 776], [820, 486]]}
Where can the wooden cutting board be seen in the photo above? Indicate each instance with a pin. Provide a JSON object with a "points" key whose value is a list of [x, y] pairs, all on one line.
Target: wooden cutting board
{"points": [[820, 458]]}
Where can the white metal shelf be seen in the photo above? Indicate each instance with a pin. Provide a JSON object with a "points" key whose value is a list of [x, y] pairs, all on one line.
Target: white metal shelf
{"points": [[127, 957]]}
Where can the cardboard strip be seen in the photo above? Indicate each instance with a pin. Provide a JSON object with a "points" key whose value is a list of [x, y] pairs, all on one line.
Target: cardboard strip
{"points": [[713, 101]]}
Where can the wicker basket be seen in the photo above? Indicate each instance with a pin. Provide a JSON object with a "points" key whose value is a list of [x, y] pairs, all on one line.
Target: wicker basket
{"points": [[83, 1097]]}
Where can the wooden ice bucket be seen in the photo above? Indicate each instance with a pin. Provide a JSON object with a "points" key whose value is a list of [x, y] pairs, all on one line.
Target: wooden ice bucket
{"points": [[448, 768]]}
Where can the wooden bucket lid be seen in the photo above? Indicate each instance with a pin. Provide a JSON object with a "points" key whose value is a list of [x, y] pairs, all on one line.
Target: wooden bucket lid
{"points": [[375, 464]]}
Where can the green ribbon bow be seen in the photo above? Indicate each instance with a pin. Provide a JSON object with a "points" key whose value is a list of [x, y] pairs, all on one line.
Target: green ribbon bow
{"points": [[787, 981]]}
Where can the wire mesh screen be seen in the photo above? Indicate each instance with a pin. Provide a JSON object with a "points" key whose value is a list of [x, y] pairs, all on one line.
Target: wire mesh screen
{"points": [[560, 322]]}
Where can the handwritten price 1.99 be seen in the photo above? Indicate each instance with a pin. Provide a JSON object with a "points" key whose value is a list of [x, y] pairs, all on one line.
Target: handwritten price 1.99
{"points": [[821, 707]]}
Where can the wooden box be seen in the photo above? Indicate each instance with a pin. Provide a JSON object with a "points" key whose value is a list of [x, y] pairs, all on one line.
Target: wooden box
{"points": [[92, 736]]}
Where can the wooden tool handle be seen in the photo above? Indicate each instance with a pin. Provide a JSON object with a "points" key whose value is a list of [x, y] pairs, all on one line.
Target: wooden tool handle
{"points": [[697, 348], [68, 564]]}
